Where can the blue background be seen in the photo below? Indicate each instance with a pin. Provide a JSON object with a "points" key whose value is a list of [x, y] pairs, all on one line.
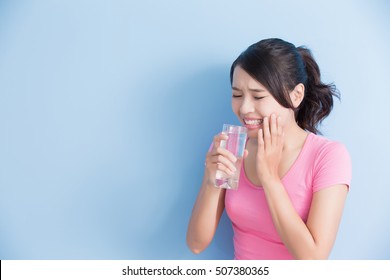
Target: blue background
{"points": [[107, 109]]}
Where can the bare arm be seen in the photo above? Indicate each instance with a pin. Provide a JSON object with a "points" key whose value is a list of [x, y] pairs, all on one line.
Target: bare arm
{"points": [[205, 217], [315, 239], [210, 202]]}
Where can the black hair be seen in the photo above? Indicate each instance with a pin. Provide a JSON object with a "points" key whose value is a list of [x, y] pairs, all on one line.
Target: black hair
{"points": [[279, 66]]}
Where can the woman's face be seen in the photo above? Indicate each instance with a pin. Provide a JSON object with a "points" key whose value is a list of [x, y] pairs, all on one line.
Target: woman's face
{"points": [[251, 102]]}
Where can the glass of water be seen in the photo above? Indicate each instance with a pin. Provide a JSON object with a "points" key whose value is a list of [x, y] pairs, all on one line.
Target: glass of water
{"points": [[236, 145]]}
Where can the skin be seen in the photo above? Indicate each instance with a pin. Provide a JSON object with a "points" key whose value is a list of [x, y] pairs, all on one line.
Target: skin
{"points": [[272, 148]]}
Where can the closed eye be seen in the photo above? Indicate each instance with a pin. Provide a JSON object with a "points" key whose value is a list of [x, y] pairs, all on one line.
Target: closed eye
{"points": [[236, 96], [258, 97]]}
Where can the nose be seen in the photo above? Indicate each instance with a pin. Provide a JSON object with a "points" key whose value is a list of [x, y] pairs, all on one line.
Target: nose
{"points": [[246, 106]]}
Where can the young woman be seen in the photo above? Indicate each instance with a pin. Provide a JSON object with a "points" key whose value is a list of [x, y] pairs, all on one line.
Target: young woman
{"points": [[293, 183]]}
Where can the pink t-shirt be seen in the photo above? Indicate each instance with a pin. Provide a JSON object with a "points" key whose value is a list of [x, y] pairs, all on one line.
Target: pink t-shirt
{"points": [[320, 164]]}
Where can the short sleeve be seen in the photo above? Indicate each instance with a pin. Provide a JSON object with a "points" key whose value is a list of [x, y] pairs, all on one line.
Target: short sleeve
{"points": [[332, 166]]}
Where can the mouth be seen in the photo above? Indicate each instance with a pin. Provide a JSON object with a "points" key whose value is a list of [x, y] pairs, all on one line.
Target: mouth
{"points": [[253, 123]]}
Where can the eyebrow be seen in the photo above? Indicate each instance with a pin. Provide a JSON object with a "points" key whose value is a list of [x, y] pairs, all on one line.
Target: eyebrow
{"points": [[250, 89]]}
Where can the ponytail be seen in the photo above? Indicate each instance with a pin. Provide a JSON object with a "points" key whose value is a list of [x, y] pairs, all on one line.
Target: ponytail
{"points": [[318, 101]]}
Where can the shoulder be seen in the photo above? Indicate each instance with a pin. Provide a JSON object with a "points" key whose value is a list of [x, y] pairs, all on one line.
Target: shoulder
{"points": [[326, 148], [331, 161]]}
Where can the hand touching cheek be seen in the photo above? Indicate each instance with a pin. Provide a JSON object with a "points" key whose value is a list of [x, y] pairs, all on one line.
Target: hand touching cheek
{"points": [[270, 147]]}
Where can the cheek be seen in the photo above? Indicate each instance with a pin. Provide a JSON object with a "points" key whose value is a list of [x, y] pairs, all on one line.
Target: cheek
{"points": [[236, 107], [287, 118]]}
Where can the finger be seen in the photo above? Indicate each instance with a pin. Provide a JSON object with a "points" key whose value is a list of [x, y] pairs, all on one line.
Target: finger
{"points": [[273, 130], [225, 164], [260, 140], [226, 153], [218, 138], [246, 152], [266, 133], [225, 169], [280, 130]]}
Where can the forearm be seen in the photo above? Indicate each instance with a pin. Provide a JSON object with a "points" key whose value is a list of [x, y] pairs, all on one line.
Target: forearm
{"points": [[205, 217], [292, 230]]}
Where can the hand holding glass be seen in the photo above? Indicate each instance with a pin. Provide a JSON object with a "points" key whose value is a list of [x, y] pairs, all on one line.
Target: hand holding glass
{"points": [[236, 145]]}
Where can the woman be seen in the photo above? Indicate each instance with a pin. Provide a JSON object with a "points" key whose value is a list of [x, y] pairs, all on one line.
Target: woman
{"points": [[293, 183]]}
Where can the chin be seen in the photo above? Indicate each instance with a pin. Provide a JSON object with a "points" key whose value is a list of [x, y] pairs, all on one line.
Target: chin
{"points": [[253, 133]]}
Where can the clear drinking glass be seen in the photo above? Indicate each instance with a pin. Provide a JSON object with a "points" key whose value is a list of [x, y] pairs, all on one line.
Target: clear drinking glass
{"points": [[236, 145]]}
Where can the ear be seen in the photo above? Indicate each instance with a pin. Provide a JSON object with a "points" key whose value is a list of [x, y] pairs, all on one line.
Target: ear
{"points": [[297, 95]]}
